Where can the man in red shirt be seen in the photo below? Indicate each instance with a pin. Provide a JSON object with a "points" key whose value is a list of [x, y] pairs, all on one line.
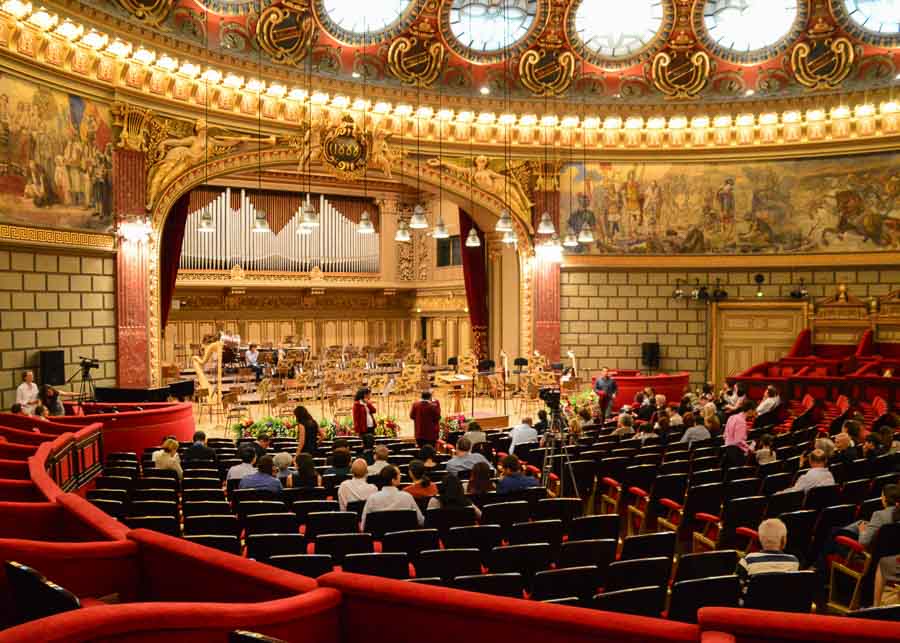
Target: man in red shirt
{"points": [[426, 415]]}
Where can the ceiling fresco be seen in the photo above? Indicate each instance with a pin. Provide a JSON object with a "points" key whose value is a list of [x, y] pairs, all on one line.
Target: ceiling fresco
{"points": [[571, 50]]}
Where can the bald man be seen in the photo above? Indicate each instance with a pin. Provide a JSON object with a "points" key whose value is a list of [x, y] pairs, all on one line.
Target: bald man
{"points": [[356, 488]]}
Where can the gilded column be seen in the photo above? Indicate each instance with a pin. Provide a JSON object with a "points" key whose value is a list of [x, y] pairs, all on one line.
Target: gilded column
{"points": [[132, 285], [546, 272]]}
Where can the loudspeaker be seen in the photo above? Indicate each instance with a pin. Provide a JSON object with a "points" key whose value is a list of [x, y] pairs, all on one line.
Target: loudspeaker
{"points": [[53, 368], [486, 365], [650, 354]]}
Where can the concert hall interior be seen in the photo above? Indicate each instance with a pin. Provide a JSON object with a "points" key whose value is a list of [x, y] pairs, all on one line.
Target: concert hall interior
{"points": [[581, 317]]}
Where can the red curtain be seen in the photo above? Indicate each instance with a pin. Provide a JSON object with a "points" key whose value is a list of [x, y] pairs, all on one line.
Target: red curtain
{"points": [[170, 254], [475, 275]]}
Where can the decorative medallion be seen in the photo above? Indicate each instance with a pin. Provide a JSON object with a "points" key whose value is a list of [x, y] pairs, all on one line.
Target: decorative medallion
{"points": [[749, 31], [547, 71], [417, 59], [824, 61], [681, 73], [285, 32], [150, 12], [345, 148], [873, 21]]}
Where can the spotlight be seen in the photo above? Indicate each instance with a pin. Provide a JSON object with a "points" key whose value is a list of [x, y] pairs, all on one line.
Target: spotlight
{"points": [[759, 279], [678, 293], [485, 90], [800, 292]]}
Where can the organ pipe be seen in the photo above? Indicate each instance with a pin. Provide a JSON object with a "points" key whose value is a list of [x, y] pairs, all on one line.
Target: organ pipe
{"points": [[334, 246]]}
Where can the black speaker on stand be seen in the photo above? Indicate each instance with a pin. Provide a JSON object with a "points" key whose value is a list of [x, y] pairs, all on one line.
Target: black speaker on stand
{"points": [[650, 355], [52, 367]]}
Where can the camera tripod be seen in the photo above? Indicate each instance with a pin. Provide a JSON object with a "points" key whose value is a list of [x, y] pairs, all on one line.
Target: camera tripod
{"points": [[557, 437], [86, 391]]}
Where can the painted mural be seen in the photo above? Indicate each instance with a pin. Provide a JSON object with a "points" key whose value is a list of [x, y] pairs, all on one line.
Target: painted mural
{"points": [[846, 204], [55, 158]]}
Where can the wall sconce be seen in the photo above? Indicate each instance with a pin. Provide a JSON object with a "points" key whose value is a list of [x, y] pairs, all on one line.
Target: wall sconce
{"points": [[759, 279], [135, 230], [699, 293], [800, 292], [678, 293], [719, 294]]}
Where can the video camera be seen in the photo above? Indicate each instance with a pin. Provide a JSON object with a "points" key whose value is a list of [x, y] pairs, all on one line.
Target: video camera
{"points": [[551, 397], [88, 363]]}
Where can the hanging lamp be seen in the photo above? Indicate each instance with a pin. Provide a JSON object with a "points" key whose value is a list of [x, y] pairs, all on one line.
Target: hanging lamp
{"points": [[440, 230], [473, 240], [206, 223], [586, 235], [402, 235], [546, 225], [365, 224], [418, 220], [571, 241]]}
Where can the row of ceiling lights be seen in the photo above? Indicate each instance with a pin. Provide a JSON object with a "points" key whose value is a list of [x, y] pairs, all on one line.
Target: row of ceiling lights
{"points": [[97, 41]]}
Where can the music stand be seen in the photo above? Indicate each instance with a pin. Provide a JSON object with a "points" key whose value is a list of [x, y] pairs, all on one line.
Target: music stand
{"points": [[519, 363], [485, 367]]}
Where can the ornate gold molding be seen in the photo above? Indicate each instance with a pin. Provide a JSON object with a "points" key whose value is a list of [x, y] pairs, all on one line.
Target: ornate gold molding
{"points": [[824, 64], [547, 71], [680, 74], [68, 238], [150, 12], [729, 262], [286, 31], [417, 59]]}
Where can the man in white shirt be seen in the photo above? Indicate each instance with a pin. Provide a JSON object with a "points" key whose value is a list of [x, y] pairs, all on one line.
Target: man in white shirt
{"points": [[818, 474], [382, 453], [390, 498], [521, 434], [246, 467], [769, 401], [356, 488], [27, 393], [252, 359]]}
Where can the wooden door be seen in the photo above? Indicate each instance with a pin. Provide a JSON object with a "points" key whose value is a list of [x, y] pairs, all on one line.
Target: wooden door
{"points": [[744, 334]]}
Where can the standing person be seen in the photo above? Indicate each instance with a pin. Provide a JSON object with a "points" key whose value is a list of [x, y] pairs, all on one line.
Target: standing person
{"points": [[606, 388], [736, 446], [363, 412], [307, 431], [27, 393], [51, 398], [426, 415], [252, 359]]}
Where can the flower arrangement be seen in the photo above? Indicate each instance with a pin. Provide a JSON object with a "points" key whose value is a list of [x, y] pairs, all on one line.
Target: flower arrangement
{"points": [[386, 426], [575, 403], [450, 423], [275, 427], [343, 429]]}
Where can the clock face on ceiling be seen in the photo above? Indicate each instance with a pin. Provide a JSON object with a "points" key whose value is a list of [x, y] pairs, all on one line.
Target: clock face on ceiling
{"points": [[619, 32], [359, 21], [744, 26], [491, 26], [877, 16]]}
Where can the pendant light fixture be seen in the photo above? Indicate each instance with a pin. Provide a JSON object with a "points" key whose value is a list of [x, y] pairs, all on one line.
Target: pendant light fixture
{"points": [[473, 240], [365, 221], [309, 218], [509, 238], [440, 230], [571, 241], [260, 223], [402, 235], [554, 242], [365, 224], [546, 225], [418, 220], [206, 225], [586, 235], [504, 223]]}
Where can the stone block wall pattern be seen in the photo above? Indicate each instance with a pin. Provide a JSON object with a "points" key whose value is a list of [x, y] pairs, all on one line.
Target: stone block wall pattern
{"points": [[52, 301], [606, 314]]}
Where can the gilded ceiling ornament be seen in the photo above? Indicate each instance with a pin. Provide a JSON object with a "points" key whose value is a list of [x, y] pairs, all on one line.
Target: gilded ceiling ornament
{"points": [[823, 62], [150, 12], [417, 59], [286, 31], [346, 148], [547, 71], [682, 73]]}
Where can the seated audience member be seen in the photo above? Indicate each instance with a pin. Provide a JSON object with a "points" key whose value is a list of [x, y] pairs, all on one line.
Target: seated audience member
{"points": [[340, 462], [888, 440], [764, 453], [772, 558], [427, 456], [382, 453], [390, 498], [887, 581], [696, 432], [522, 434], [543, 423], [463, 459], [872, 447], [261, 445], [16, 409], [41, 412], [422, 486], [646, 409], [512, 479], [368, 450], [675, 418], [452, 496], [648, 431], [660, 408], [713, 425], [474, 434], [198, 450], [246, 467], [624, 425], [817, 476], [852, 428], [734, 400], [283, 467], [357, 487], [769, 402], [264, 478], [839, 450], [890, 498], [305, 476], [586, 417], [480, 480], [662, 428], [167, 457]]}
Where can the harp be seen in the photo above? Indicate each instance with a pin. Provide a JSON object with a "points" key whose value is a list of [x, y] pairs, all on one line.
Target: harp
{"points": [[213, 391]]}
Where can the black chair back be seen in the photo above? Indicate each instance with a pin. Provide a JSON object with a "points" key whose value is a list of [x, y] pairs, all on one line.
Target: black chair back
{"points": [[782, 591], [626, 574], [380, 522], [312, 565], [386, 565], [688, 596], [35, 597], [641, 601], [506, 584], [706, 564]]}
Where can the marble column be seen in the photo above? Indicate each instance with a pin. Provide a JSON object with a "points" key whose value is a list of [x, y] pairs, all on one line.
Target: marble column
{"points": [[546, 282], [132, 264]]}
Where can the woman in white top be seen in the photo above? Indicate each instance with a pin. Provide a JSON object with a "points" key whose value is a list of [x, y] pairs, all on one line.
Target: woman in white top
{"points": [[167, 457], [27, 393]]}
